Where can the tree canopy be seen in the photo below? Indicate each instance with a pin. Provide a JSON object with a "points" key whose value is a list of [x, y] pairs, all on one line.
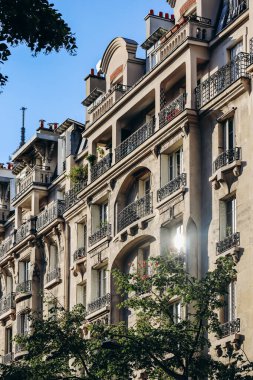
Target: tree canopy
{"points": [[35, 23], [160, 344]]}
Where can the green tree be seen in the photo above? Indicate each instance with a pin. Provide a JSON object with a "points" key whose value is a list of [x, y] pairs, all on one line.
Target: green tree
{"points": [[160, 344], [35, 23]]}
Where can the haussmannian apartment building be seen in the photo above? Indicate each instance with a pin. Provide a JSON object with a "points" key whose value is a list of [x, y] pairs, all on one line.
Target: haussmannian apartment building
{"points": [[168, 143]]}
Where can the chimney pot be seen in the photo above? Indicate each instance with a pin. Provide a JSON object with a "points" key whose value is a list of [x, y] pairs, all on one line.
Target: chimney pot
{"points": [[42, 123], [160, 14], [91, 71], [172, 17], [151, 12], [166, 15]]}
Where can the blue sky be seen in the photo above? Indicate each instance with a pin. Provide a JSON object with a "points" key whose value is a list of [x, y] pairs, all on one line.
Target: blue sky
{"points": [[52, 87]]}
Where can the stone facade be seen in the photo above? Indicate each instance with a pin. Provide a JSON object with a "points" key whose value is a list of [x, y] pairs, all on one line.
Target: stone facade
{"points": [[165, 158]]}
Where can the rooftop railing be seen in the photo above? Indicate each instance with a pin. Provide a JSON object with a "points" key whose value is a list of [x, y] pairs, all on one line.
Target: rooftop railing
{"points": [[54, 274], [37, 176], [7, 302], [222, 79], [173, 109], [99, 303], [134, 140], [53, 211], [230, 328], [25, 230], [71, 195], [101, 233], [171, 187], [229, 242], [226, 158], [101, 167], [135, 210]]}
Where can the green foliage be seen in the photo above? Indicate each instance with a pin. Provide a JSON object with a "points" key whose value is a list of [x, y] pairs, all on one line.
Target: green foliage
{"points": [[156, 344], [78, 173], [91, 158], [34, 23]]}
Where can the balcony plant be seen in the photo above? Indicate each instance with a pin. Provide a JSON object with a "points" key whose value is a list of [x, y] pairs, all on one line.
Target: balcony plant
{"points": [[91, 158], [78, 173]]}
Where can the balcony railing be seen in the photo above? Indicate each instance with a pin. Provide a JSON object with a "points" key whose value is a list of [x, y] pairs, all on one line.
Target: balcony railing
{"points": [[25, 230], [135, 140], [104, 231], [101, 167], [24, 287], [80, 253], [102, 104], [99, 303], [135, 210], [6, 245], [169, 112], [223, 78], [37, 176], [54, 274], [230, 328], [71, 195], [7, 358], [7, 302], [171, 187], [251, 46], [228, 243], [226, 158], [53, 211]]}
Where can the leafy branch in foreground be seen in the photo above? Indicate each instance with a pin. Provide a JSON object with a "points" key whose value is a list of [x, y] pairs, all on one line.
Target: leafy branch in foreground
{"points": [[35, 23]]}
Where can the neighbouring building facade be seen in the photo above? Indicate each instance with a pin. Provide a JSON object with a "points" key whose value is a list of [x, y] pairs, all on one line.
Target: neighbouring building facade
{"points": [[163, 162]]}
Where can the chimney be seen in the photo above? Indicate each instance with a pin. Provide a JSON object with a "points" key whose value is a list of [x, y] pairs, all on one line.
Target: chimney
{"points": [[42, 123], [153, 22]]}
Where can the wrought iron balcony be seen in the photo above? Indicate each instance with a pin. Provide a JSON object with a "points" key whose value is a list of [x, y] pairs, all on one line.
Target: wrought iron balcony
{"points": [[251, 46], [228, 243], [99, 303], [24, 287], [135, 210], [6, 245], [80, 253], [28, 228], [7, 302], [169, 112], [230, 328], [226, 158], [53, 211], [171, 187], [101, 167], [104, 231], [135, 140], [54, 274], [37, 176], [71, 195], [7, 358], [223, 78]]}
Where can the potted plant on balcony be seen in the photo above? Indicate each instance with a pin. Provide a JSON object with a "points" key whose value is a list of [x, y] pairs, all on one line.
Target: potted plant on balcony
{"points": [[91, 158], [78, 173]]}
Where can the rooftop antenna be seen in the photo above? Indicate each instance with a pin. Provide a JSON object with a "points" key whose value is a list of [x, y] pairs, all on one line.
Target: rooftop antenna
{"points": [[22, 141]]}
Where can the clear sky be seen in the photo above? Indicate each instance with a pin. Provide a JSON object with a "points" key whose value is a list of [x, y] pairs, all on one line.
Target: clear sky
{"points": [[52, 87]]}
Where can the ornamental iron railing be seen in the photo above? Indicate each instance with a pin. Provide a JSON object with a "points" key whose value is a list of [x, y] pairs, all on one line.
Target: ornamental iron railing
{"points": [[51, 212], [230, 328], [101, 233], [134, 140], [222, 79], [24, 287], [7, 302], [6, 245], [99, 303], [80, 253], [171, 187], [71, 195], [135, 210], [54, 274], [251, 46], [226, 158], [26, 229], [101, 167], [228, 243], [173, 109]]}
